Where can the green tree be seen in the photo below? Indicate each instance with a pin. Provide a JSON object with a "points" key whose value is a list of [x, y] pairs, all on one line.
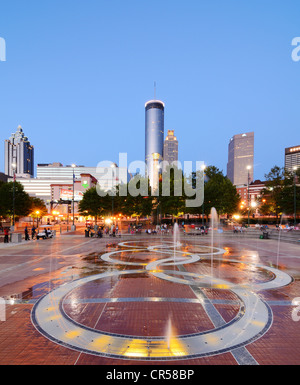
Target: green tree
{"points": [[290, 196], [219, 192], [138, 201], [171, 199], [95, 205], [271, 195], [38, 208], [22, 201]]}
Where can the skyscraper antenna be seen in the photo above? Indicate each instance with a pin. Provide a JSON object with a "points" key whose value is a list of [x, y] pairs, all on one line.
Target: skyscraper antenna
{"points": [[154, 90]]}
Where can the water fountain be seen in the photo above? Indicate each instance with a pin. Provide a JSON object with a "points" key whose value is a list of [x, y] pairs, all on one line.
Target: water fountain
{"points": [[176, 244], [282, 225], [213, 224], [169, 333], [176, 238]]}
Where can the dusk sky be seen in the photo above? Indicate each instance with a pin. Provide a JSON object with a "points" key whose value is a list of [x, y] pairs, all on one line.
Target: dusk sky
{"points": [[78, 73]]}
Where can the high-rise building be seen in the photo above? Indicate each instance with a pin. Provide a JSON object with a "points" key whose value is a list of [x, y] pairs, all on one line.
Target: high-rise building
{"points": [[292, 158], [154, 138], [19, 154], [171, 147], [240, 158]]}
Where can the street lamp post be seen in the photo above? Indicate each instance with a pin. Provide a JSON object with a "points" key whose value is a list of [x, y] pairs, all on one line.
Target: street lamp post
{"points": [[203, 167], [73, 228], [248, 168], [37, 218], [112, 190], [14, 166], [295, 200]]}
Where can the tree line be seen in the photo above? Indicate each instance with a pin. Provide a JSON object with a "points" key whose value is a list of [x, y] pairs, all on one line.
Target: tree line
{"points": [[281, 194], [219, 192], [22, 205]]}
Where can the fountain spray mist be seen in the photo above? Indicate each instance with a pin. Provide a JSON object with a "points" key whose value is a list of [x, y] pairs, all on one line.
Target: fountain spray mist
{"points": [[213, 224]]}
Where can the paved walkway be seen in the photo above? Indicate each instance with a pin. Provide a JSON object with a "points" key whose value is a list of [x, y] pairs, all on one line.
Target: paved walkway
{"points": [[144, 299]]}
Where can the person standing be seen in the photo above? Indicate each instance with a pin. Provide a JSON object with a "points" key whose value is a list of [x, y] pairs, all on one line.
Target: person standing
{"points": [[26, 234], [32, 232], [6, 232]]}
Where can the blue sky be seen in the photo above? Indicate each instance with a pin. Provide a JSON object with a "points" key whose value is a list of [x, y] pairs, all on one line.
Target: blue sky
{"points": [[78, 73]]}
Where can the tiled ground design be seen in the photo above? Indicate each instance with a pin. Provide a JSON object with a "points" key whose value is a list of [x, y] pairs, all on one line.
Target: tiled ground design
{"points": [[131, 294]]}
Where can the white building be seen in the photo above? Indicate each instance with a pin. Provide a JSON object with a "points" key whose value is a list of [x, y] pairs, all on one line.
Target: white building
{"points": [[55, 174]]}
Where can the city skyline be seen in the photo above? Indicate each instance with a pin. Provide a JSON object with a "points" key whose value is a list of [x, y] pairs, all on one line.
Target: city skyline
{"points": [[79, 93]]}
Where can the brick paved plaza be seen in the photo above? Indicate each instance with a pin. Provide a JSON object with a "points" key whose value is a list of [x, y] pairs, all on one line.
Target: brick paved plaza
{"points": [[141, 299]]}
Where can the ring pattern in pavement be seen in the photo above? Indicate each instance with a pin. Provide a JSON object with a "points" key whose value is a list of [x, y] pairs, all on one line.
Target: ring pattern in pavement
{"points": [[252, 321]]}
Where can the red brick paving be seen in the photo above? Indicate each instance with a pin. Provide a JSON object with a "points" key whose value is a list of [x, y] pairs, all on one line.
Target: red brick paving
{"points": [[22, 344]]}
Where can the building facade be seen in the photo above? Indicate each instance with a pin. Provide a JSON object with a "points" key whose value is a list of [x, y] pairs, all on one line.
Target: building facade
{"points": [[18, 154], [49, 175], [171, 147], [255, 191], [154, 138], [241, 158], [292, 158], [62, 193]]}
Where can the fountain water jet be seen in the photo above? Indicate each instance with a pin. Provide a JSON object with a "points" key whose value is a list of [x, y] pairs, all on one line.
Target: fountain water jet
{"points": [[169, 333], [280, 229], [176, 238], [213, 223]]}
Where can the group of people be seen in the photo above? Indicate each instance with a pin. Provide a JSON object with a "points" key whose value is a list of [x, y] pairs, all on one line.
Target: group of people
{"points": [[26, 232], [33, 233], [238, 229], [98, 231]]}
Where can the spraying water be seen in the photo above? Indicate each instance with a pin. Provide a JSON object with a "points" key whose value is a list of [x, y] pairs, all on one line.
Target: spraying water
{"points": [[280, 229], [214, 226], [176, 238], [169, 333]]}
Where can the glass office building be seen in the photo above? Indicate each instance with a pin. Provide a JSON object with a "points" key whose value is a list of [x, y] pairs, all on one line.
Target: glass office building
{"points": [[154, 137], [18, 154], [240, 157], [292, 158]]}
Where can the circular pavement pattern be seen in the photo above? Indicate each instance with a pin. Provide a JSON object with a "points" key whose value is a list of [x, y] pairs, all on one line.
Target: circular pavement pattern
{"points": [[252, 321]]}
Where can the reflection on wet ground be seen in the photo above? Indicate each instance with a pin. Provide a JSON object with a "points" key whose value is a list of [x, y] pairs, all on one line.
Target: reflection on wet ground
{"points": [[92, 264], [116, 294]]}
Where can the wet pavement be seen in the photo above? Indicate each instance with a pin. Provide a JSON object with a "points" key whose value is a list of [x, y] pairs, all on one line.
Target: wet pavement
{"points": [[147, 300]]}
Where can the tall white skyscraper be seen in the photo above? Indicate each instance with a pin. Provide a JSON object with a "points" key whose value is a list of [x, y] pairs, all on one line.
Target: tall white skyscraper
{"points": [[19, 152], [240, 158], [154, 139]]}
